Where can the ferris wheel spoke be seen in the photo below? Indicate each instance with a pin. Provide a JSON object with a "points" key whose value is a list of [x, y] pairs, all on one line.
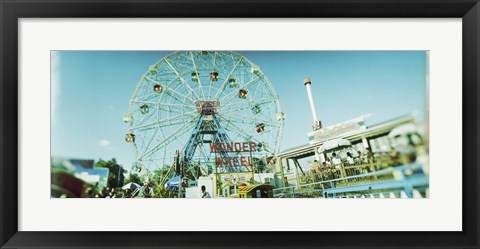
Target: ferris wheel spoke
{"points": [[240, 131], [235, 138], [177, 136], [170, 110], [196, 71], [152, 137], [246, 120], [137, 89], [243, 86], [224, 84], [211, 79], [180, 131], [262, 90], [164, 104], [231, 111], [150, 95], [166, 121], [257, 77], [170, 89], [163, 126], [252, 101], [186, 124], [182, 79], [269, 86], [135, 151], [144, 118]]}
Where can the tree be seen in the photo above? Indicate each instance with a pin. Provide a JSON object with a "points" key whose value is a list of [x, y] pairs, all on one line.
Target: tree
{"points": [[161, 175], [161, 192], [135, 179], [116, 171]]}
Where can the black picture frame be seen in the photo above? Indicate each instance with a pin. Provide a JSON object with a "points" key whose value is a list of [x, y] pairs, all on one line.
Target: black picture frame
{"points": [[12, 10]]}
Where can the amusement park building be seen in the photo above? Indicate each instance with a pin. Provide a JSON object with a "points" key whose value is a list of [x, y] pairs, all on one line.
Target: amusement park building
{"points": [[363, 138]]}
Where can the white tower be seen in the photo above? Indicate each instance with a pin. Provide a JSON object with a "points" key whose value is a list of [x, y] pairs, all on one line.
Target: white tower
{"points": [[317, 124]]}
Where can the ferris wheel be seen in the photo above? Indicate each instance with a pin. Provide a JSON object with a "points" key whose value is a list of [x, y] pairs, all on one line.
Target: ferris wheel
{"points": [[189, 100]]}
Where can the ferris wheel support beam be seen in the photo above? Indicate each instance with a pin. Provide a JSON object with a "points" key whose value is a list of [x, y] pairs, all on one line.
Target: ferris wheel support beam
{"points": [[191, 145], [196, 139]]}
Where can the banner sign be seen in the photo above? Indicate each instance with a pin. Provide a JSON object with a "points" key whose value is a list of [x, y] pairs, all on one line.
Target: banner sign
{"points": [[233, 178], [338, 130], [234, 161]]}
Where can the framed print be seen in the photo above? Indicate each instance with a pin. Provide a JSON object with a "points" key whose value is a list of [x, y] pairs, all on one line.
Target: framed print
{"points": [[239, 124]]}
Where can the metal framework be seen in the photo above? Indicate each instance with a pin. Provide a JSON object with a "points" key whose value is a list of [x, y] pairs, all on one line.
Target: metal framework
{"points": [[206, 125], [167, 110]]}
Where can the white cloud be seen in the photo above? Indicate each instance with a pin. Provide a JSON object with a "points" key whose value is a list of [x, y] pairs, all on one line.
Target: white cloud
{"points": [[104, 143]]}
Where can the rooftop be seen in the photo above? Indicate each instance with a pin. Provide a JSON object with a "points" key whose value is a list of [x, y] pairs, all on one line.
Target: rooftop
{"points": [[371, 131]]}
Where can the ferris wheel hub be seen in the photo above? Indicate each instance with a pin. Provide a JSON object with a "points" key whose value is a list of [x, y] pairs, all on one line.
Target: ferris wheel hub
{"points": [[207, 107]]}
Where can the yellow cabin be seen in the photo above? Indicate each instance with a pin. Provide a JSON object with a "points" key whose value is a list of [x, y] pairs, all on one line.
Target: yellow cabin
{"points": [[256, 191]]}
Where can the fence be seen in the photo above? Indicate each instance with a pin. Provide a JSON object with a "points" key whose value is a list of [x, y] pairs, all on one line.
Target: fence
{"points": [[401, 181]]}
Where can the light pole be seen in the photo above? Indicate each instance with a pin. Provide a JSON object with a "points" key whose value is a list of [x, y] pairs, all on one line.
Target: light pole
{"points": [[317, 124]]}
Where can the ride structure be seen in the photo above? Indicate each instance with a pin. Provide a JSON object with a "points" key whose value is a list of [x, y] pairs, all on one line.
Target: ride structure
{"points": [[192, 108], [207, 126]]}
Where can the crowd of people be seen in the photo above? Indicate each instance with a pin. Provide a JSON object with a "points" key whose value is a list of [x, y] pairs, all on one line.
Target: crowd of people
{"points": [[106, 192], [343, 163], [144, 191]]}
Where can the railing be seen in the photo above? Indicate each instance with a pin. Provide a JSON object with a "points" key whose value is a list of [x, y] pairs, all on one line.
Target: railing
{"points": [[336, 172], [391, 180]]}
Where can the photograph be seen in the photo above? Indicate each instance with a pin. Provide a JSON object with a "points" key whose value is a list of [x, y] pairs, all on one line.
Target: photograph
{"points": [[239, 124]]}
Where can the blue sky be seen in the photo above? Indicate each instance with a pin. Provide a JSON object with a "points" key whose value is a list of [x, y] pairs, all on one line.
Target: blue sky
{"points": [[91, 92]]}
